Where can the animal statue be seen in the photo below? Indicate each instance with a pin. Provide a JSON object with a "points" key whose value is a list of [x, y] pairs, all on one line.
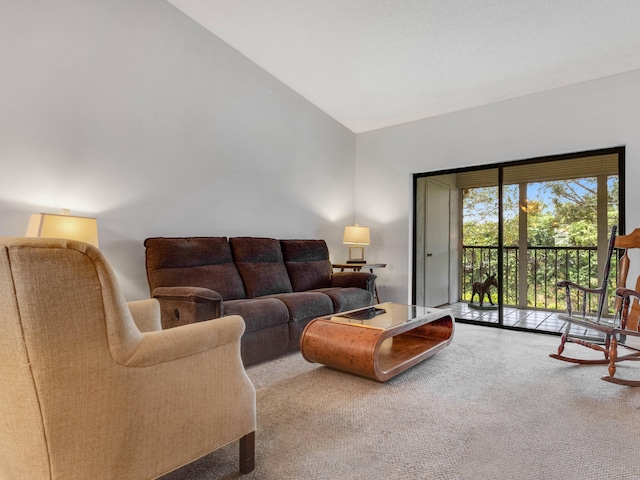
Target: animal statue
{"points": [[483, 288]]}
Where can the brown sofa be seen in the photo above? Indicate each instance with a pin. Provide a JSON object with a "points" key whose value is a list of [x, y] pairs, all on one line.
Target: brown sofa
{"points": [[276, 286]]}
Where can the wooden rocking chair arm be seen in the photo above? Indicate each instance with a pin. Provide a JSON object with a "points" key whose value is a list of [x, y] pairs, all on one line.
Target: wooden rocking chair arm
{"points": [[626, 292], [567, 283]]}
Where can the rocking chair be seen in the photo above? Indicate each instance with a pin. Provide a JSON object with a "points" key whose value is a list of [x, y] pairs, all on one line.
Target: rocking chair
{"points": [[612, 328]]}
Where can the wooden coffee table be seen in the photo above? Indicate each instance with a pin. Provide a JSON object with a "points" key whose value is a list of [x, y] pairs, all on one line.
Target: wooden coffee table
{"points": [[377, 342]]}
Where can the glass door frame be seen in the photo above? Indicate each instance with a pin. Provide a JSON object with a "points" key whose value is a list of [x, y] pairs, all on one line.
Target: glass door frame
{"points": [[620, 151]]}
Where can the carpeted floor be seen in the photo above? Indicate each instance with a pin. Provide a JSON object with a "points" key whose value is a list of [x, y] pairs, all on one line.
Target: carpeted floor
{"points": [[492, 405]]}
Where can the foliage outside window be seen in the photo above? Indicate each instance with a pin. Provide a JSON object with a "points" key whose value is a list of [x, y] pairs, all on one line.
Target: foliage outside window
{"points": [[562, 236]]}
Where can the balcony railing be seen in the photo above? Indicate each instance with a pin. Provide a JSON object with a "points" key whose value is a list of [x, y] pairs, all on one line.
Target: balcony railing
{"points": [[545, 267]]}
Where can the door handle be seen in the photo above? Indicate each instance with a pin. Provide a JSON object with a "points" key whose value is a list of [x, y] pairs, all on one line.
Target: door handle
{"points": [[429, 254]]}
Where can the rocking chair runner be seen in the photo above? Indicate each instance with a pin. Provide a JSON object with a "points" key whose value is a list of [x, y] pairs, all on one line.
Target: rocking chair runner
{"points": [[615, 329]]}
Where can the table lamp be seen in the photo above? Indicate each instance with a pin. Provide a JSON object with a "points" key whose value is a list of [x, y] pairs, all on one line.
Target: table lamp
{"points": [[64, 225], [356, 236]]}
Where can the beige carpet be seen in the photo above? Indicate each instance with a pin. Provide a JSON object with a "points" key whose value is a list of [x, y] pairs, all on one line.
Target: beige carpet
{"points": [[492, 405]]}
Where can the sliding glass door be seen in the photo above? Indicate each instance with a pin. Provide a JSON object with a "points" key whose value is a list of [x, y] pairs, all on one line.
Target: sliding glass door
{"points": [[494, 241]]}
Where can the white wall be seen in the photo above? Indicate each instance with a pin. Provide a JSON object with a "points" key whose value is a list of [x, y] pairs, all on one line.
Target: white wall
{"points": [[591, 115], [131, 112]]}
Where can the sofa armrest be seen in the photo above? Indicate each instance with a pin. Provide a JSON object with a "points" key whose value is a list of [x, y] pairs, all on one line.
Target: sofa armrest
{"points": [[184, 305], [366, 281]]}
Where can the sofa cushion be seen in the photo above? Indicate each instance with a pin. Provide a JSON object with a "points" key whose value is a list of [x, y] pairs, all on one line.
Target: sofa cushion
{"points": [[259, 261], [307, 263], [264, 344], [193, 262], [303, 308], [306, 305], [348, 298], [258, 313]]}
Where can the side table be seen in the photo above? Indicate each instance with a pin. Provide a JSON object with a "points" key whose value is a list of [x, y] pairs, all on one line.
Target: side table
{"points": [[356, 267]]}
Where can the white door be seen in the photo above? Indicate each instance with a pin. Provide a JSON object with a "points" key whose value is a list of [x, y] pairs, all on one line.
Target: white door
{"points": [[436, 247]]}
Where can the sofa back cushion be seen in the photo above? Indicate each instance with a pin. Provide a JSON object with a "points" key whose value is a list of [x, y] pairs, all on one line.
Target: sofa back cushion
{"points": [[259, 261], [193, 262], [307, 263]]}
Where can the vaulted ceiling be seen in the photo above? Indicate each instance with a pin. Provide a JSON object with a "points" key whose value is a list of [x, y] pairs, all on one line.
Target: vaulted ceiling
{"points": [[370, 64]]}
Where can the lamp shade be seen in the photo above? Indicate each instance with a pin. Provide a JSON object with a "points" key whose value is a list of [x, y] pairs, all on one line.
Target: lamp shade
{"points": [[63, 226], [356, 235]]}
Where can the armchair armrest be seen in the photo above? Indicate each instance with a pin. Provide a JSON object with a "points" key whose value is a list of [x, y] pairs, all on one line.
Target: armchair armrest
{"points": [[146, 314], [366, 281], [184, 305], [187, 340]]}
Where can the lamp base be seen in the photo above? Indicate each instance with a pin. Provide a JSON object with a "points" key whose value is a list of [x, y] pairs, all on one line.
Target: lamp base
{"points": [[356, 255]]}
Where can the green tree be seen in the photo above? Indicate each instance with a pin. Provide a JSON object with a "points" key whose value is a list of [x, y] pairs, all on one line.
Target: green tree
{"points": [[541, 226], [575, 204], [480, 216], [568, 206]]}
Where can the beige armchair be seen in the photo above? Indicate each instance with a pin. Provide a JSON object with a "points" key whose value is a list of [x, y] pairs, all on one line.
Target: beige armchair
{"points": [[86, 393]]}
